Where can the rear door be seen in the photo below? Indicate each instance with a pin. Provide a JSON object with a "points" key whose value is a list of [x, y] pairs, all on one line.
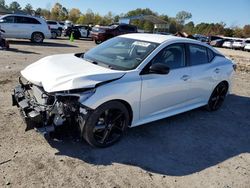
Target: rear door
{"points": [[205, 72], [27, 26], [166, 93]]}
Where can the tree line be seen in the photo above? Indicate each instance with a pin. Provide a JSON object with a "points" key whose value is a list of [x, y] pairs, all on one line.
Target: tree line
{"points": [[178, 23]]}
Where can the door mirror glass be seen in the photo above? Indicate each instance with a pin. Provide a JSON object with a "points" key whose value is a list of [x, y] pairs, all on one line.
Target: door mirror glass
{"points": [[159, 68]]}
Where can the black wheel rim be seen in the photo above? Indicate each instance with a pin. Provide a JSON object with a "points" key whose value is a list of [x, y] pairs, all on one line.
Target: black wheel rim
{"points": [[109, 126], [218, 96]]}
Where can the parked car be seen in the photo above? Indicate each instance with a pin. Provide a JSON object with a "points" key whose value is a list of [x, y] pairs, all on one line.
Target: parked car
{"points": [[79, 31], [55, 33], [126, 81], [25, 27], [238, 44], [201, 38], [102, 33], [247, 45], [228, 44], [56, 28], [214, 37], [217, 42]]}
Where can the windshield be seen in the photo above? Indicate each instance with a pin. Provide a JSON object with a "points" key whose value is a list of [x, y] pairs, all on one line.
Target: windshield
{"points": [[120, 53]]}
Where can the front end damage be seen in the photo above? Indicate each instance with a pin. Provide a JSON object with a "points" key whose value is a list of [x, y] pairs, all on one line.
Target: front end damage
{"points": [[47, 111]]}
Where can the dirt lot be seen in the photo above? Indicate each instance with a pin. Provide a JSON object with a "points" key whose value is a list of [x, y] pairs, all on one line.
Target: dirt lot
{"points": [[194, 149]]}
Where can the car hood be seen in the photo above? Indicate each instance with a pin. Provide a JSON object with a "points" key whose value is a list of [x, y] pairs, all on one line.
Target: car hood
{"points": [[66, 72]]}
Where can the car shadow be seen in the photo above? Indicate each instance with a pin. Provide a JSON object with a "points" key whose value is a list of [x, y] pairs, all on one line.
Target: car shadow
{"points": [[176, 146], [45, 43], [22, 51]]}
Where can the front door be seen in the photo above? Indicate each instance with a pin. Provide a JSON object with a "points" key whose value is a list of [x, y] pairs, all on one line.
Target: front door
{"points": [[163, 94]]}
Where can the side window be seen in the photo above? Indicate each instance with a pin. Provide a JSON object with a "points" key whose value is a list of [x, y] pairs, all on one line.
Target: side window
{"points": [[8, 19], [26, 20], [51, 23], [173, 56], [210, 55], [198, 54]]}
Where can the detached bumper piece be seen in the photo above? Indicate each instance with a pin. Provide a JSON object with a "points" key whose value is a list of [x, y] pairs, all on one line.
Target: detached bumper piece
{"points": [[33, 116]]}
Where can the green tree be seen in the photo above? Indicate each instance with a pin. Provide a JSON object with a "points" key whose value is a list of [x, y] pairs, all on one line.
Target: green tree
{"points": [[189, 27], [246, 31], [38, 11], [238, 32], [45, 13], [15, 6], [28, 9], [3, 5], [182, 16], [74, 15]]}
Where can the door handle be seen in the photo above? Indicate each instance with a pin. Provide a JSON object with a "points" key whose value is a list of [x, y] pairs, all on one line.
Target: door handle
{"points": [[217, 70], [185, 77]]}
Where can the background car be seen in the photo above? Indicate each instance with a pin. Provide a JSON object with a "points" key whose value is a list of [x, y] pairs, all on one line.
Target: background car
{"points": [[238, 44], [217, 43], [247, 45], [25, 27], [102, 33], [228, 44], [79, 31], [56, 28]]}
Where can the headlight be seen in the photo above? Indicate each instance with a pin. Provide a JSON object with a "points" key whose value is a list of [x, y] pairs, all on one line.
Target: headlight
{"points": [[80, 96]]}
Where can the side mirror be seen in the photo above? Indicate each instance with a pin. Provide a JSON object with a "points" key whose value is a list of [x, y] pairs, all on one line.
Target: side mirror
{"points": [[159, 68]]}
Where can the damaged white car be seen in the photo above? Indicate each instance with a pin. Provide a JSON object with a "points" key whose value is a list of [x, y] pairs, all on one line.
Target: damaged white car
{"points": [[124, 82]]}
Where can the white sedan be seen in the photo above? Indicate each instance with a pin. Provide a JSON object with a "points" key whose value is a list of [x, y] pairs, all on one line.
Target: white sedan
{"points": [[124, 82]]}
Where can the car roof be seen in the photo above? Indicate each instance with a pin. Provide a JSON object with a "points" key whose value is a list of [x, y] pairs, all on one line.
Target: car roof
{"points": [[23, 15], [156, 38]]}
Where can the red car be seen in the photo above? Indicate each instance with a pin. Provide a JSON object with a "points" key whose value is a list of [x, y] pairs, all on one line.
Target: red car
{"points": [[102, 33]]}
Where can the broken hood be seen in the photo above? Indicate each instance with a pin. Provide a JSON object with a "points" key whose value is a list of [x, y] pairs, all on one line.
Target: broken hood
{"points": [[66, 72]]}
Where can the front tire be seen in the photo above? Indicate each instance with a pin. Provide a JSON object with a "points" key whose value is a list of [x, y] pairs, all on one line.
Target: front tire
{"points": [[106, 125], [217, 97]]}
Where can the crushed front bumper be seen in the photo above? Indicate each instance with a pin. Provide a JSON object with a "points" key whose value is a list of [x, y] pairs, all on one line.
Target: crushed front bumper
{"points": [[33, 115]]}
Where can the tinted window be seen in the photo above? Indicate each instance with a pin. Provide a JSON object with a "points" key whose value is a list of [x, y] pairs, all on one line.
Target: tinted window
{"points": [[26, 20], [173, 56], [126, 28], [210, 55], [51, 23], [8, 19], [198, 54]]}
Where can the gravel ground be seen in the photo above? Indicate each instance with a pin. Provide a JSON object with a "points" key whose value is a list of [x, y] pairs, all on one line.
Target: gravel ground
{"points": [[193, 149]]}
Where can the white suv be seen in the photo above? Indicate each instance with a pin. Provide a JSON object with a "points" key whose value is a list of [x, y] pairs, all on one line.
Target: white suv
{"points": [[25, 27]]}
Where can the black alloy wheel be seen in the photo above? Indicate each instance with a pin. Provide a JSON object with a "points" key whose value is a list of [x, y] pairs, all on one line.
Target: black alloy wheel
{"points": [[106, 125], [218, 96]]}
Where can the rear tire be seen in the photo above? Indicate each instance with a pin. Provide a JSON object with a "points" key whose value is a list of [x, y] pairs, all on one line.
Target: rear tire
{"points": [[106, 125], [217, 97], [98, 41], [37, 37]]}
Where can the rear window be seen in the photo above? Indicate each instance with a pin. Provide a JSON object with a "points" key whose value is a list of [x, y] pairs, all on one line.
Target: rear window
{"points": [[247, 41]]}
